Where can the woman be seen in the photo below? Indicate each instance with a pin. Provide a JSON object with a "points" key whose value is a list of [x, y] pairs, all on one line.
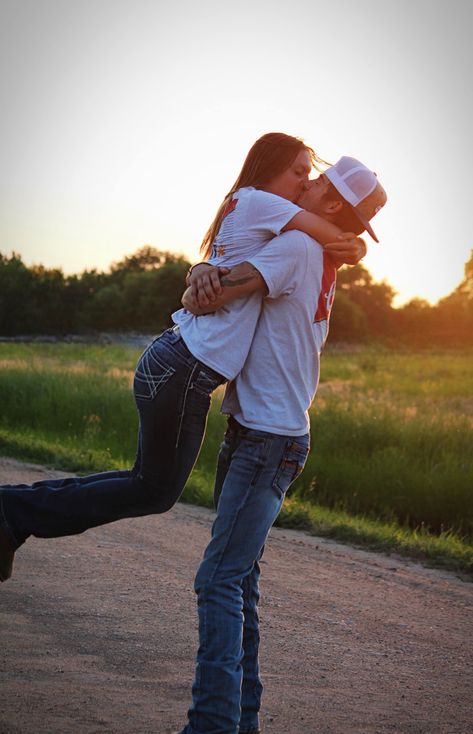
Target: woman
{"points": [[180, 369]]}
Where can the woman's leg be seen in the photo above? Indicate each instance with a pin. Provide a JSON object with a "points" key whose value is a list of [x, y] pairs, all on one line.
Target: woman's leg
{"points": [[172, 392]]}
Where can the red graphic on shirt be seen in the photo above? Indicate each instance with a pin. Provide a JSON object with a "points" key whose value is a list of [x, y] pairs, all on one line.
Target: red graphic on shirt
{"points": [[230, 207], [327, 291]]}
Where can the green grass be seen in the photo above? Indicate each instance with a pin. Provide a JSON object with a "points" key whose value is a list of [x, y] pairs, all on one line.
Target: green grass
{"points": [[374, 456], [392, 436], [391, 465], [76, 397]]}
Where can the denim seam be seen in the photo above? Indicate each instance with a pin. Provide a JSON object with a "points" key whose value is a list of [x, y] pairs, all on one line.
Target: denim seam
{"points": [[183, 408], [246, 580], [249, 489]]}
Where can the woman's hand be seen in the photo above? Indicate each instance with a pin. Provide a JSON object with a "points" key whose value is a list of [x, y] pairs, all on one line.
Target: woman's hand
{"points": [[347, 250], [204, 283]]}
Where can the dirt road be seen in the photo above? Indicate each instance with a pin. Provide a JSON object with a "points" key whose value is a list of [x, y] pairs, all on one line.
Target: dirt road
{"points": [[98, 634]]}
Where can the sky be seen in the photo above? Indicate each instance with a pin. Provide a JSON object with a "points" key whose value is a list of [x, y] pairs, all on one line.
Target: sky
{"points": [[124, 122]]}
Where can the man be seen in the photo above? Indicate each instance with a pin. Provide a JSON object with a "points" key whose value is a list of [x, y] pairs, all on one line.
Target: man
{"points": [[267, 441]]}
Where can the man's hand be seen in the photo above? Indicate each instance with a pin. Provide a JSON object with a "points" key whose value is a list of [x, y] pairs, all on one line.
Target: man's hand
{"points": [[347, 250], [241, 280], [204, 283]]}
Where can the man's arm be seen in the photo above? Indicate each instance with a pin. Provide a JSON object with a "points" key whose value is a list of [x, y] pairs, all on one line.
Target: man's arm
{"points": [[242, 280], [205, 285]]}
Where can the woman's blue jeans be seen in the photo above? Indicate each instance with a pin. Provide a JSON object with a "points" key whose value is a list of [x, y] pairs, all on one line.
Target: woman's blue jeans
{"points": [[254, 471], [172, 393]]}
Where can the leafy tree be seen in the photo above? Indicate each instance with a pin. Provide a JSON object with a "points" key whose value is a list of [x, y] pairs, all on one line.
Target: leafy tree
{"points": [[47, 295], [17, 313], [146, 258], [371, 302], [466, 286], [104, 309], [348, 321], [79, 291], [449, 323], [454, 313], [140, 293], [413, 322]]}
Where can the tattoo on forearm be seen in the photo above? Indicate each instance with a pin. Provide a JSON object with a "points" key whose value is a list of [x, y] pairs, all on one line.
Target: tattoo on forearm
{"points": [[232, 281]]}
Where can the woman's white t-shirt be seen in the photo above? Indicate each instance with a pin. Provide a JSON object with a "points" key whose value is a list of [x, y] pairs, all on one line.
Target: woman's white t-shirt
{"points": [[222, 339]]}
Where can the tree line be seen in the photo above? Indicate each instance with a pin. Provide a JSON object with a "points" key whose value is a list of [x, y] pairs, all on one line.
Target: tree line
{"points": [[137, 294], [140, 292], [363, 311]]}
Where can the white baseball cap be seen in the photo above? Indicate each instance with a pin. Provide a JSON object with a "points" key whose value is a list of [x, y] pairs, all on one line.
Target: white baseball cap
{"points": [[360, 188]]}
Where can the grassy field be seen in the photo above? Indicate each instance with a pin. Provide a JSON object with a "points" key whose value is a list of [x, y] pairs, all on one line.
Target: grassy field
{"points": [[391, 464]]}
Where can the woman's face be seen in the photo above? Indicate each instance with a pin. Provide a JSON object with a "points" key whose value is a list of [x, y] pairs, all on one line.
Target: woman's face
{"points": [[294, 180]]}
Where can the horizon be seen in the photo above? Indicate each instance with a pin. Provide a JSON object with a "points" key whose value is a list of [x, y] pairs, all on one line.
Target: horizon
{"points": [[176, 253]]}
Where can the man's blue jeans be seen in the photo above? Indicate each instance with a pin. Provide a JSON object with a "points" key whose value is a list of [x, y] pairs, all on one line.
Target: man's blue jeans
{"points": [[172, 393], [254, 471]]}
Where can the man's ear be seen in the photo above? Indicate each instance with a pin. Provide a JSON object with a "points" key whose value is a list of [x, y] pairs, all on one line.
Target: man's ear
{"points": [[333, 207]]}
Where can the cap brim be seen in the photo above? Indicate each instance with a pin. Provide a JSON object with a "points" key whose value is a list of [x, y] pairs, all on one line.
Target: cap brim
{"points": [[364, 222]]}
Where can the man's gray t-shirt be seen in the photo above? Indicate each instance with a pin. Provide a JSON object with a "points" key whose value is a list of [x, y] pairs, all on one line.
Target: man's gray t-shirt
{"points": [[277, 384]]}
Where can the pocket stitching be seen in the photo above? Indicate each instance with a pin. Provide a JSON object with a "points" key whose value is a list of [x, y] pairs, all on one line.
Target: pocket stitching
{"points": [[144, 374], [298, 463]]}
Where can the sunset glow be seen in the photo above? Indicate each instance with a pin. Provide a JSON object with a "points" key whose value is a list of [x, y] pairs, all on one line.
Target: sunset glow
{"points": [[126, 123]]}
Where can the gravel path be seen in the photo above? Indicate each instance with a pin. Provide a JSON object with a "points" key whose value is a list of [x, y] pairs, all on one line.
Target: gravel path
{"points": [[98, 633]]}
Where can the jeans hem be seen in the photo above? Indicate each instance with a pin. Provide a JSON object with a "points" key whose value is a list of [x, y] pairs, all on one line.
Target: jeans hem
{"points": [[4, 524], [247, 729]]}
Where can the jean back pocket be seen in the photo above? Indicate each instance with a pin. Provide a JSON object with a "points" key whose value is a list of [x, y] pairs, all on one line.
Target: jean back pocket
{"points": [[291, 466], [150, 375]]}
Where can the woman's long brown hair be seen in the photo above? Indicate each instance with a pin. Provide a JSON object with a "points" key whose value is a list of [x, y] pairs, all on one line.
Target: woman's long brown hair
{"points": [[271, 155]]}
